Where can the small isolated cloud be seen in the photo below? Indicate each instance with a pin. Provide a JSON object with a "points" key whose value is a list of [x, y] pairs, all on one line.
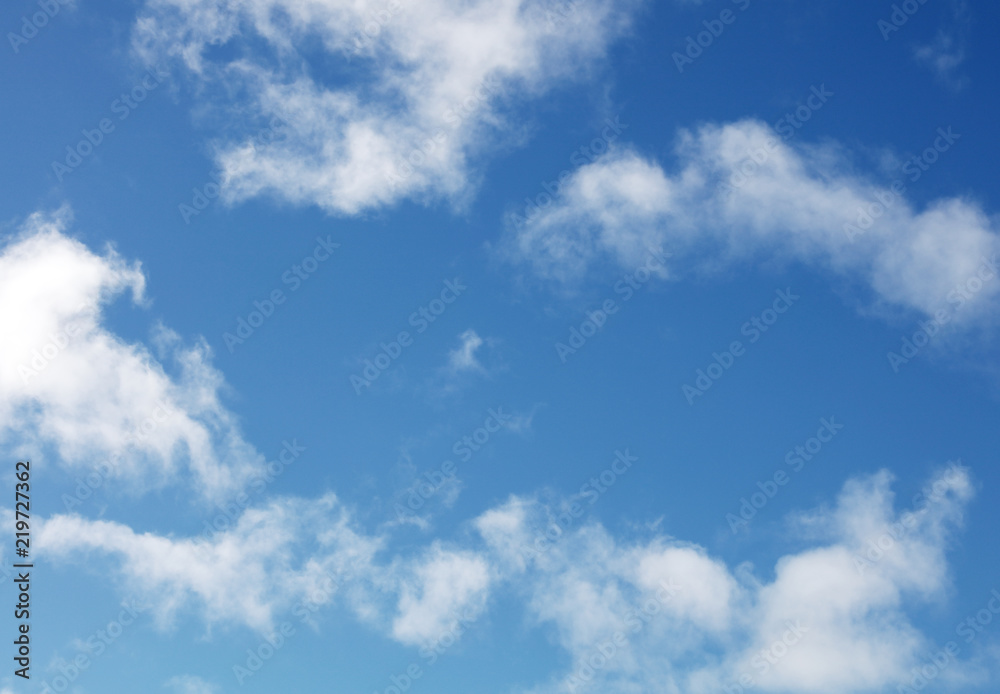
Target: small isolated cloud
{"points": [[946, 53], [943, 56], [463, 358], [190, 684], [520, 423]]}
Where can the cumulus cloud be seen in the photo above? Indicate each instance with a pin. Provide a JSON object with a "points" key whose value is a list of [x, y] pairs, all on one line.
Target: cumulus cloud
{"points": [[377, 100], [444, 589], [632, 614], [68, 383], [664, 615], [739, 192]]}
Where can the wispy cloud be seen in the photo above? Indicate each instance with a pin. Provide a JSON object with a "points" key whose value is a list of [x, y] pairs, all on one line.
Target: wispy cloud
{"points": [[463, 358], [943, 56], [428, 102], [671, 612], [946, 52], [190, 684]]}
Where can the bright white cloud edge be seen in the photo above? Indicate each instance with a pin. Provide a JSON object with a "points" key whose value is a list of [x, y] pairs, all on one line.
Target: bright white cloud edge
{"points": [[740, 191], [434, 86], [584, 588]]}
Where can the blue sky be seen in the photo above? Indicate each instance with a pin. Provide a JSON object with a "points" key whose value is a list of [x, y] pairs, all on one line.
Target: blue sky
{"points": [[521, 347]]}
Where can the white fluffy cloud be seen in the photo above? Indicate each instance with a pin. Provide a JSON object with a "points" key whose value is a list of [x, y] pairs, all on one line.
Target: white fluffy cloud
{"points": [[288, 551], [293, 555], [739, 192], [661, 615], [379, 100], [444, 589], [69, 384], [631, 614]]}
